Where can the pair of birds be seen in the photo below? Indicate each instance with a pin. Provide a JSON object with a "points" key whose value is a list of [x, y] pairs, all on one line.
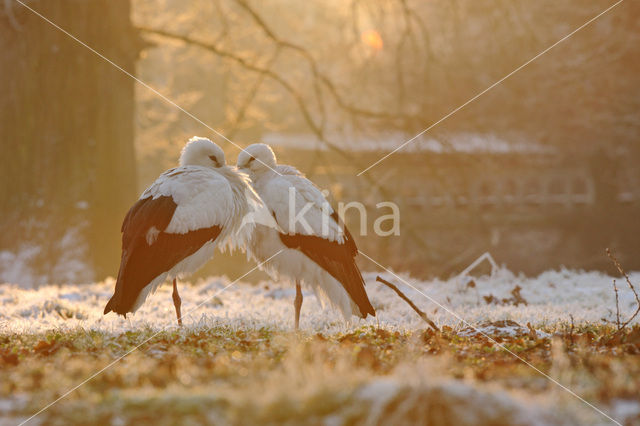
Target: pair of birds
{"points": [[272, 211]]}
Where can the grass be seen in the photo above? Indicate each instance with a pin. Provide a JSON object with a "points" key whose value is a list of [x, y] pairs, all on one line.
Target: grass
{"points": [[236, 376]]}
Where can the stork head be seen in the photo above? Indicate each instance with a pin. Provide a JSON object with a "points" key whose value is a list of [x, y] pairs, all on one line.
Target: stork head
{"points": [[202, 152], [256, 158]]}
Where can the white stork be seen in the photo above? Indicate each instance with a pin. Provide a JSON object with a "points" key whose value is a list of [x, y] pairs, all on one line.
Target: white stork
{"points": [[175, 226], [323, 259]]}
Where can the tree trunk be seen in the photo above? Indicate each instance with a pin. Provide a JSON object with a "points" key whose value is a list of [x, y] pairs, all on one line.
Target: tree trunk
{"points": [[67, 166]]}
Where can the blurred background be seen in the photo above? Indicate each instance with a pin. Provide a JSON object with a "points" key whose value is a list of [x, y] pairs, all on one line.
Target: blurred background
{"points": [[542, 171]]}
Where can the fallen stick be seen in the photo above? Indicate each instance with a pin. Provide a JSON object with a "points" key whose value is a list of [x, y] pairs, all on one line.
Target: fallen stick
{"points": [[406, 299]]}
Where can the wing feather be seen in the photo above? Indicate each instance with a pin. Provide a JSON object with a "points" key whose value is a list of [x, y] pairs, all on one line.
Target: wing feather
{"points": [[338, 259], [192, 187], [182, 215], [326, 241], [284, 192]]}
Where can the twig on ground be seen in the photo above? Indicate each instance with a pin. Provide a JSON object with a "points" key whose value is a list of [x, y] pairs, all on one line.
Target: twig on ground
{"points": [[615, 289], [406, 299], [633, 289], [571, 330]]}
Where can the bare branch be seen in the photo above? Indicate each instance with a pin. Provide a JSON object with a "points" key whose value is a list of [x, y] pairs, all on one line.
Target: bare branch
{"points": [[615, 289], [406, 299], [250, 97], [318, 76], [245, 64], [635, 293]]}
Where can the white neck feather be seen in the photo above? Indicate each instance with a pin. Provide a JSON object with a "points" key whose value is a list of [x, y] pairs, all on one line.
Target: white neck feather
{"points": [[246, 201]]}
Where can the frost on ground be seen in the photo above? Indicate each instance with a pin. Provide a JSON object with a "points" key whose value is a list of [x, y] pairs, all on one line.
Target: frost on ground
{"points": [[550, 299], [236, 360], [28, 263]]}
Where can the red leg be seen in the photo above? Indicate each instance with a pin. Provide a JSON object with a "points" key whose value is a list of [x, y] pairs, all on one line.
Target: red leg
{"points": [[177, 302], [297, 303]]}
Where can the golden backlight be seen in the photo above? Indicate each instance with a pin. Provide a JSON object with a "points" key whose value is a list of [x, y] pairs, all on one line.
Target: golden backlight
{"points": [[373, 39]]}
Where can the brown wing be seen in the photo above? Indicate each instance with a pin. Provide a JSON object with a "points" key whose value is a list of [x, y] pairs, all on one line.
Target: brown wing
{"points": [[338, 260], [142, 262]]}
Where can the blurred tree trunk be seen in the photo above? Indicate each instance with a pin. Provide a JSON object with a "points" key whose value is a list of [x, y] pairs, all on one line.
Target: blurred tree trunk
{"points": [[66, 127]]}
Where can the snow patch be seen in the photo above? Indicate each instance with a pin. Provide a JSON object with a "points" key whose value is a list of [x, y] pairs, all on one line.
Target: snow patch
{"points": [[388, 141], [626, 411], [551, 298], [503, 328], [24, 266]]}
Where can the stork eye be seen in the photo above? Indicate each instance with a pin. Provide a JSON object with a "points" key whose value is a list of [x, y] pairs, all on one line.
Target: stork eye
{"points": [[250, 160], [214, 159]]}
